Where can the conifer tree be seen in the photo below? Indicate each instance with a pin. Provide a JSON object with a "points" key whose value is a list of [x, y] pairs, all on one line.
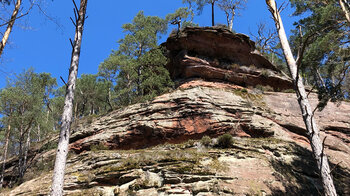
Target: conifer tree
{"points": [[23, 103], [324, 37], [137, 68], [179, 17]]}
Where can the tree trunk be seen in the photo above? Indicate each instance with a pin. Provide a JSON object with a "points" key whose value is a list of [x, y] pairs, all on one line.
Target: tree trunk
{"points": [[212, 14], [9, 26], [345, 7], [20, 151], [109, 98], [5, 154], [307, 113], [26, 149], [230, 26], [62, 149], [39, 133]]}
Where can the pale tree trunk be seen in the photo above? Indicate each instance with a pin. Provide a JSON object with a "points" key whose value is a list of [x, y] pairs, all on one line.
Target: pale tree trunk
{"points": [[307, 112], [10, 25], [5, 155], [39, 133], [110, 99], [24, 166], [345, 7], [230, 25], [62, 149]]}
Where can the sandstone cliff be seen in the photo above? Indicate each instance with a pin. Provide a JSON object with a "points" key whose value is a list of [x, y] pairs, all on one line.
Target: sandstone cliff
{"points": [[154, 148]]}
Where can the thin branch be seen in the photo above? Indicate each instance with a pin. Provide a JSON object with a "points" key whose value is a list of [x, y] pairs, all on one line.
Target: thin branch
{"points": [[335, 166], [75, 6], [75, 14], [63, 81], [71, 43], [49, 17], [6, 23], [283, 6], [73, 21]]}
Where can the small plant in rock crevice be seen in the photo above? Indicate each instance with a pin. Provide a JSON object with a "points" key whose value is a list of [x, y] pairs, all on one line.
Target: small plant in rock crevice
{"points": [[206, 141], [225, 141]]}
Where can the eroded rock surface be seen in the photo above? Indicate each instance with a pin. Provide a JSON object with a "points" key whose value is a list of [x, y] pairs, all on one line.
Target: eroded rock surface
{"points": [[152, 148], [215, 53], [267, 157], [176, 117]]}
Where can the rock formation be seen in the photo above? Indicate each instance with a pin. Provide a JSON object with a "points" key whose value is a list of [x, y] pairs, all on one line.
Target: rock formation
{"points": [[152, 148], [218, 54]]}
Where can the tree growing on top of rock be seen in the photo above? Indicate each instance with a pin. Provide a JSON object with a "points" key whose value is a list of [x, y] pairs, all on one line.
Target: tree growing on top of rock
{"points": [[179, 18], [137, 68], [199, 5], [231, 8]]}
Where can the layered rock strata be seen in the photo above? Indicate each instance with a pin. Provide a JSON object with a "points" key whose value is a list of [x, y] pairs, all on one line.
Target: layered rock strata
{"points": [[214, 53]]}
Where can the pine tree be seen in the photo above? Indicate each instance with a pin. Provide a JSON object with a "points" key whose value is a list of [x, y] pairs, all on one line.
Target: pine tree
{"points": [[323, 36], [179, 18], [23, 103], [91, 96], [137, 68]]}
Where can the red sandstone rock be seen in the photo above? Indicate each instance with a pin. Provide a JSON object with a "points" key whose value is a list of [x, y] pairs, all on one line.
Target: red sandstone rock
{"points": [[218, 54]]}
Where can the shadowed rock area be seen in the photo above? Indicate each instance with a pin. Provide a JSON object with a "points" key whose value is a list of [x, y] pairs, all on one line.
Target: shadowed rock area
{"points": [[157, 147]]}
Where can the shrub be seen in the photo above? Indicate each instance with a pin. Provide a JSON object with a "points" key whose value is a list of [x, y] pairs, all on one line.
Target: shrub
{"points": [[98, 147], [225, 141], [264, 88], [244, 90], [234, 66], [206, 141], [289, 91], [265, 73]]}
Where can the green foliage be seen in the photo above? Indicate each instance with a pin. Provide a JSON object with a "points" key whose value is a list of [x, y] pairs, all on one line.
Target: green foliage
{"points": [[289, 91], [264, 88], [205, 141], [25, 106], [92, 95], [49, 146], [325, 62], [98, 147], [137, 68], [25, 102], [218, 166], [225, 141], [179, 18]]}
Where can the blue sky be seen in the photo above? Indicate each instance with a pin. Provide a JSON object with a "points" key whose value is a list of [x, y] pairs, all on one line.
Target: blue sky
{"points": [[45, 46]]}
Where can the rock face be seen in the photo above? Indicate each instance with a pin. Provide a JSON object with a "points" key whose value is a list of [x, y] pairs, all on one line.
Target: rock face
{"points": [[218, 54], [270, 154], [176, 117], [152, 148]]}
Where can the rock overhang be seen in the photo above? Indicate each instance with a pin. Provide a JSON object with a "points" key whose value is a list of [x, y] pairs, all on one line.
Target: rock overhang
{"points": [[216, 53]]}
